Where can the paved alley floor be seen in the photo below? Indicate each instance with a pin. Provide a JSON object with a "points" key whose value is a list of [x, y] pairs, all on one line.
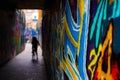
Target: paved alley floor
{"points": [[22, 67]]}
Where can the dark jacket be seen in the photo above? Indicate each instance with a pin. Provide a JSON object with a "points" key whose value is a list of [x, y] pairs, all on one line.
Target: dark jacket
{"points": [[35, 43]]}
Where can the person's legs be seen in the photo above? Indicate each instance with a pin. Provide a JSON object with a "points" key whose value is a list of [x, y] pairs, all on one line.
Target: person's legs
{"points": [[33, 53], [36, 53]]}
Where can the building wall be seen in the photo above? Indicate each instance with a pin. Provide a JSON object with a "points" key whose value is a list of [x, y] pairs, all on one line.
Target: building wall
{"points": [[11, 34], [39, 18], [31, 14], [18, 30], [39, 26], [81, 40]]}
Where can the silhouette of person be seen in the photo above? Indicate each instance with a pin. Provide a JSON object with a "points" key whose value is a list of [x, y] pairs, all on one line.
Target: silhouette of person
{"points": [[35, 44]]}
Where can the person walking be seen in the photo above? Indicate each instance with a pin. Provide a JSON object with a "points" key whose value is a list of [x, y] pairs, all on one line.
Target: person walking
{"points": [[35, 44]]}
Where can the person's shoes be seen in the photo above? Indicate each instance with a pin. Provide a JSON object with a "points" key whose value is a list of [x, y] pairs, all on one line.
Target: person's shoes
{"points": [[37, 58], [33, 57]]}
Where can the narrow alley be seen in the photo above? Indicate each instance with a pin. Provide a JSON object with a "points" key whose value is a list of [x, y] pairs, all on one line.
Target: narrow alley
{"points": [[80, 39], [22, 67]]}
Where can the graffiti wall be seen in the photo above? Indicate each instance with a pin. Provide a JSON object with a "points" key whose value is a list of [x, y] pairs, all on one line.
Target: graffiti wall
{"points": [[81, 40], [18, 31], [11, 37], [103, 41], [75, 39]]}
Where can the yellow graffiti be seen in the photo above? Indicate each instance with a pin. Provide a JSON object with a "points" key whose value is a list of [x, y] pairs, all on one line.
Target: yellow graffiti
{"points": [[94, 61], [98, 1], [101, 50], [81, 7], [65, 64], [107, 42], [76, 44], [69, 34], [111, 1]]}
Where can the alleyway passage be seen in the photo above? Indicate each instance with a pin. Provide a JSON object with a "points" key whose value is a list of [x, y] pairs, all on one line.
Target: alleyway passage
{"points": [[22, 67]]}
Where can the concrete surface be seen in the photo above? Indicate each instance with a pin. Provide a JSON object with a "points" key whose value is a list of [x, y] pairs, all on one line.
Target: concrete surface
{"points": [[22, 67]]}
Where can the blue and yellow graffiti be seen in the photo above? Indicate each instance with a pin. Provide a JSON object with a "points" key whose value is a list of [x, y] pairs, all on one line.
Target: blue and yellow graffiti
{"points": [[73, 62]]}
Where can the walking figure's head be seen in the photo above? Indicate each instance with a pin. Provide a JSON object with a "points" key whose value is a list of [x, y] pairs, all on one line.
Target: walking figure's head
{"points": [[34, 39]]}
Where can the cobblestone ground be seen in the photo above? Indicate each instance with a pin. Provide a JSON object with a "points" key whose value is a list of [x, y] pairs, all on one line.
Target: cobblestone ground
{"points": [[22, 67]]}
